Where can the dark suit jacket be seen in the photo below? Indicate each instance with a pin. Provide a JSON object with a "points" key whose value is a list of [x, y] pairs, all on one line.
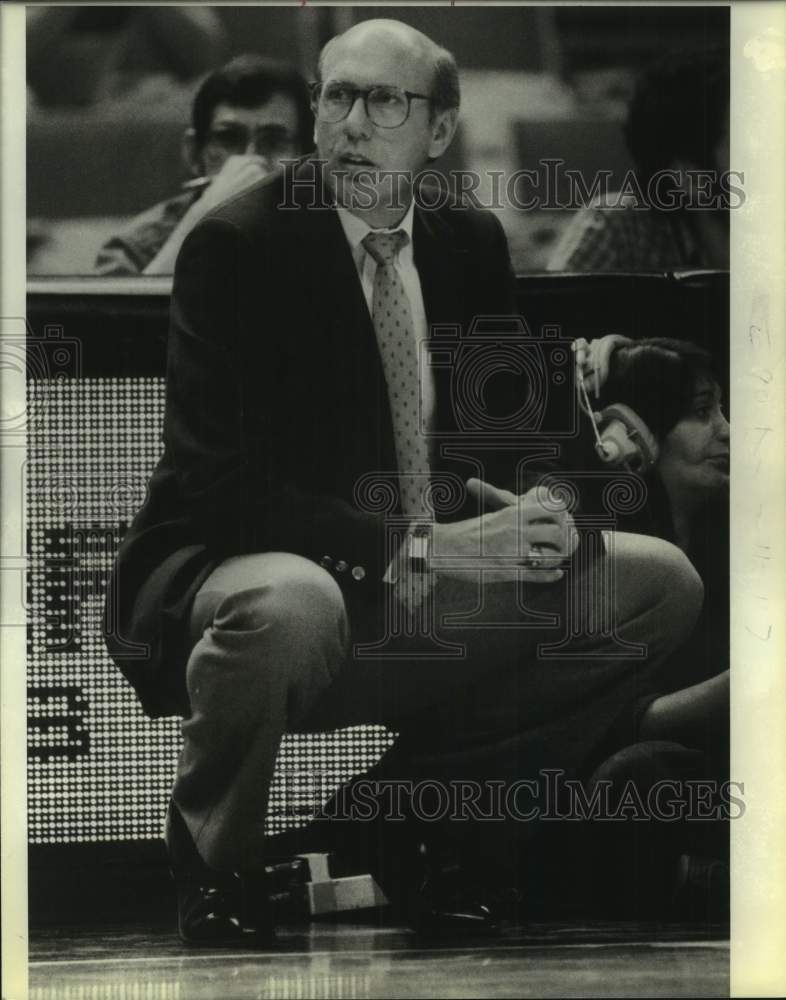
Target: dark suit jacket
{"points": [[276, 406]]}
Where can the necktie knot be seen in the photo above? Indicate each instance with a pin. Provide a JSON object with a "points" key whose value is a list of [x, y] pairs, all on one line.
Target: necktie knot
{"points": [[383, 247]]}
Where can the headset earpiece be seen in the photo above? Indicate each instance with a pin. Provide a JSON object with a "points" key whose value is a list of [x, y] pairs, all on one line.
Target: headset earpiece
{"points": [[621, 436], [625, 439]]}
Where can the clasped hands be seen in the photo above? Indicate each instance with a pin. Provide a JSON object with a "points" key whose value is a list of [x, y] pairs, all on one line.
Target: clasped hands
{"points": [[527, 537], [524, 538]]}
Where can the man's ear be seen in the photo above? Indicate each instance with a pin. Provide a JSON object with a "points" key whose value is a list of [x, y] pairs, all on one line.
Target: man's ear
{"points": [[443, 128], [190, 153]]}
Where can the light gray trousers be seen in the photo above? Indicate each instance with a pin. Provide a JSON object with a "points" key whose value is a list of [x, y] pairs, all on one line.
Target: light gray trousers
{"points": [[273, 653]]}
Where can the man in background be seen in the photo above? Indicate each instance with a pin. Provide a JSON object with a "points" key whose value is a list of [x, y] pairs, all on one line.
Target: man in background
{"points": [[246, 117], [677, 132]]}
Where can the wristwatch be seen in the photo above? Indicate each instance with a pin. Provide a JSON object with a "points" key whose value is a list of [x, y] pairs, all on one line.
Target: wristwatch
{"points": [[419, 546]]}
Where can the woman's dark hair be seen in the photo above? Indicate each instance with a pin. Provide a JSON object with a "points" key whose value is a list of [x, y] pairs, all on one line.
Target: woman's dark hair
{"points": [[247, 81], [679, 111], [657, 379]]}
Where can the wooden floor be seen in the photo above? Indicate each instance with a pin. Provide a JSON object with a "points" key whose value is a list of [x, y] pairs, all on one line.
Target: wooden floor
{"points": [[355, 960]]}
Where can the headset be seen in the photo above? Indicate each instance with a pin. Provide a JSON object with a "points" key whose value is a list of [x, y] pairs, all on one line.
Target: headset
{"points": [[621, 436]]}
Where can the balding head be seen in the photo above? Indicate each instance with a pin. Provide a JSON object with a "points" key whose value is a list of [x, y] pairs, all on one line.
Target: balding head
{"points": [[436, 63], [374, 152]]}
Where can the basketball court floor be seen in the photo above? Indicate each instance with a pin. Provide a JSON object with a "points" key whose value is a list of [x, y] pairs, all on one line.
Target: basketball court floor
{"points": [[336, 960]]}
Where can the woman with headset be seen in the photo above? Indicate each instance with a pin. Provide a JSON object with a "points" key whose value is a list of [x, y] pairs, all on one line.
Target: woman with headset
{"points": [[654, 407]]}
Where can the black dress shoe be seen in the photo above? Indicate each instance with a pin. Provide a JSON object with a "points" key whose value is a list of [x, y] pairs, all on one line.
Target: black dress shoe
{"points": [[444, 904], [215, 908]]}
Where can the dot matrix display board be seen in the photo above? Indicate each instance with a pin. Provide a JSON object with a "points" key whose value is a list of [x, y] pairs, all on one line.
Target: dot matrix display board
{"points": [[98, 768]]}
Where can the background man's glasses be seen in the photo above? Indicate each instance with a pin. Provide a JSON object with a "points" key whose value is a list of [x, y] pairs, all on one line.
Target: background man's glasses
{"points": [[386, 107], [267, 140]]}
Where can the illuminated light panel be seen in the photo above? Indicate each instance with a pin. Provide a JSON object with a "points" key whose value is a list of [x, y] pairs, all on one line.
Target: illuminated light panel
{"points": [[98, 769]]}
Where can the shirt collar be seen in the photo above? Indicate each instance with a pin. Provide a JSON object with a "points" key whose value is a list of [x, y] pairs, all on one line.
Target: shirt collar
{"points": [[356, 229]]}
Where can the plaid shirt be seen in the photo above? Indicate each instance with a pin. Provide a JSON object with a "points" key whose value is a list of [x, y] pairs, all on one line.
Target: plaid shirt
{"points": [[626, 238], [130, 251]]}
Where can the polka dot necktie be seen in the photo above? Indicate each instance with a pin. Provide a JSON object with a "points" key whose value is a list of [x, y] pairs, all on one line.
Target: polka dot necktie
{"points": [[398, 349]]}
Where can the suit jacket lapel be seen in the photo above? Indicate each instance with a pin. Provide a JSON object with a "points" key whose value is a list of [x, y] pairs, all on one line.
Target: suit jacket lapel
{"points": [[333, 282], [440, 261], [332, 274]]}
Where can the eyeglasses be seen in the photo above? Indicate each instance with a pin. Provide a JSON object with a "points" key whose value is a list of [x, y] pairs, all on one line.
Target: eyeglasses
{"points": [[266, 140], [386, 106]]}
